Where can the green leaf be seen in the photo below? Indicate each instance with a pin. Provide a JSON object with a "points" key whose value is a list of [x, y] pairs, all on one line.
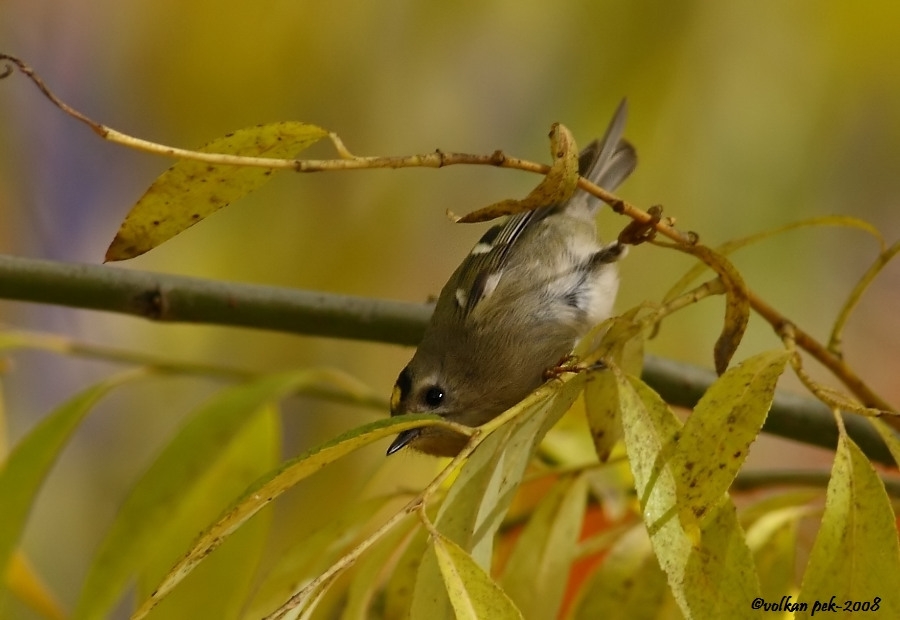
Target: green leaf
{"points": [[313, 555], [192, 190], [472, 592], [24, 470], [272, 486], [538, 568], [708, 565], [369, 574], [717, 435], [856, 555], [176, 478], [220, 587], [399, 590]]}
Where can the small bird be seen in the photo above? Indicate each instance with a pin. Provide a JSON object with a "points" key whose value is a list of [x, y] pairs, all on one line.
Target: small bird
{"points": [[529, 289]]}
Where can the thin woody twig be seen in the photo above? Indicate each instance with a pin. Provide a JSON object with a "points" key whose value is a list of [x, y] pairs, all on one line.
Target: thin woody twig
{"points": [[173, 298], [347, 161]]}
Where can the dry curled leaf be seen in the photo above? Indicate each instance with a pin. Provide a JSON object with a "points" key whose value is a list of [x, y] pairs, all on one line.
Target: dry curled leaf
{"points": [[737, 303], [555, 188]]}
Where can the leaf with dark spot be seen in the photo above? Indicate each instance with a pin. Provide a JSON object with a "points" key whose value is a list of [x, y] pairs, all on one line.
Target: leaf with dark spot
{"points": [[856, 551], [191, 190], [712, 452]]}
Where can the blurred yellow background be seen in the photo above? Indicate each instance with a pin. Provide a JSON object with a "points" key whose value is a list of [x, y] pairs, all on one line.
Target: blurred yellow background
{"points": [[746, 115]]}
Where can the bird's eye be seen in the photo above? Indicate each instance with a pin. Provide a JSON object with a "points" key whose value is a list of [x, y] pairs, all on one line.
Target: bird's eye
{"points": [[434, 396]]}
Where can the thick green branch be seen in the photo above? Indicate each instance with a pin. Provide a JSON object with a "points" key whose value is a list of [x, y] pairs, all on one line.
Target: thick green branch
{"points": [[165, 297]]}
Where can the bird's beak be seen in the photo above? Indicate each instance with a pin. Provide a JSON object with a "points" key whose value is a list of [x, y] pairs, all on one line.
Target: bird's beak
{"points": [[403, 439]]}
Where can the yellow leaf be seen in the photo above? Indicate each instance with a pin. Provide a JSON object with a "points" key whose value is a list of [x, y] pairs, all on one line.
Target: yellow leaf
{"points": [[628, 584], [651, 432], [430, 597], [773, 540], [751, 513], [621, 344], [708, 565], [273, 485], [398, 591], [23, 472], [856, 555], [834, 342], [601, 403], [482, 492], [554, 189], [191, 190], [538, 568], [481, 495], [717, 435], [26, 585], [312, 555], [473, 594], [369, 574], [720, 577], [889, 436]]}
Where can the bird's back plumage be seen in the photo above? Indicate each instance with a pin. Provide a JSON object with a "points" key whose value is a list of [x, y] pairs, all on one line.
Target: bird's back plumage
{"points": [[530, 287]]}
